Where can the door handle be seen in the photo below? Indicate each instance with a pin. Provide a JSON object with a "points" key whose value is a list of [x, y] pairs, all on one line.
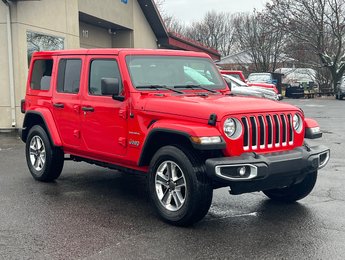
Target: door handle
{"points": [[58, 105], [88, 109]]}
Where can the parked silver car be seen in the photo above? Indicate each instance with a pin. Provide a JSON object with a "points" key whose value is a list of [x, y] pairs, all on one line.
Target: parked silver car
{"points": [[240, 88]]}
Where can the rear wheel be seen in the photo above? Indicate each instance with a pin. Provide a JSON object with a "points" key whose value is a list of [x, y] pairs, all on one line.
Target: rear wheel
{"points": [[45, 162], [295, 192], [179, 188]]}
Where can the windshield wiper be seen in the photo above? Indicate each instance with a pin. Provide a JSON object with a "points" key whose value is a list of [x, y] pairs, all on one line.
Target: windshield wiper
{"points": [[193, 86], [158, 87]]}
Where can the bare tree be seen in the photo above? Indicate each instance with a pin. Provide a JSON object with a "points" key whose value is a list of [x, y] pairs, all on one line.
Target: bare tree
{"points": [[174, 25], [214, 30], [171, 23], [319, 25], [263, 42], [160, 5]]}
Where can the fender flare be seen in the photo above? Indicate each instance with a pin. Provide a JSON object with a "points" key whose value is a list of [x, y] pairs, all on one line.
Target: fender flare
{"points": [[185, 131], [49, 124], [311, 124]]}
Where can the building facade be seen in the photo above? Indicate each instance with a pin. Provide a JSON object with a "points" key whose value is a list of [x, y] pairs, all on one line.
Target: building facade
{"points": [[27, 26]]}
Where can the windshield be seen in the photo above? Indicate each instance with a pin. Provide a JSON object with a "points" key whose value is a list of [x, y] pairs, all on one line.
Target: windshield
{"points": [[236, 76], [173, 71], [235, 82], [263, 78]]}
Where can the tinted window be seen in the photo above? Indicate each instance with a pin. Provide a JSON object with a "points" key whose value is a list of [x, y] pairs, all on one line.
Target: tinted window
{"points": [[69, 76], [41, 74], [102, 69]]}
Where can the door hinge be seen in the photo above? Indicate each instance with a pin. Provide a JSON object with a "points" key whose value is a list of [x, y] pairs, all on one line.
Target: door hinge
{"points": [[76, 134], [123, 113], [123, 141], [76, 108]]}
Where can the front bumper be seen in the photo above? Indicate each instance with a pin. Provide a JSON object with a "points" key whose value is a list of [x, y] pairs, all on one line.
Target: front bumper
{"points": [[255, 172]]}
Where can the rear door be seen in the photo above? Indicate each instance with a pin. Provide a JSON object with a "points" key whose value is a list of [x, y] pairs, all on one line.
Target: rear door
{"points": [[66, 100], [104, 120]]}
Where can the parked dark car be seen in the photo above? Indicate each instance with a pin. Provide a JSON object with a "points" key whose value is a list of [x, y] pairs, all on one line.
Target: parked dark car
{"points": [[340, 91], [294, 91]]}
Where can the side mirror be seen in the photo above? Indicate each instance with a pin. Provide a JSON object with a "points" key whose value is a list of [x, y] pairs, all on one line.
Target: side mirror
{"points": [[111, 87]]}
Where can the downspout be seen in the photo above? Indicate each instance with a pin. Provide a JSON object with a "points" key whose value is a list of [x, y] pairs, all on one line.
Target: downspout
{"points": [[10, 64]]}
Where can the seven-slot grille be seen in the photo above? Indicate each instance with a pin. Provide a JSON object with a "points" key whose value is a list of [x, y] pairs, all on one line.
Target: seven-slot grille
{"points": [[267, 131]]}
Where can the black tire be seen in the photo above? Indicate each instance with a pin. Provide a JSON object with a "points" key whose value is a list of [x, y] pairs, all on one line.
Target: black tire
{"points": [[295, 192], [197, 193], [45, 164]]}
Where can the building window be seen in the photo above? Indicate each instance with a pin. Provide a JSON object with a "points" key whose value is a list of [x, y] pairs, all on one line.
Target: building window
{"points": [[69, 76], [41, 75], [42, 42]]}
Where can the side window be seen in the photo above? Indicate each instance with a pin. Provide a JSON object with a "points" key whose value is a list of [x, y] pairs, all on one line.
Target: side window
{"points": [[69, 76], [102, 69], [41, 74]]}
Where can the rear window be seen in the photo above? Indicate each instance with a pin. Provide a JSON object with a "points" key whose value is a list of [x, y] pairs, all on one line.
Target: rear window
{"points": [[41, 74]]}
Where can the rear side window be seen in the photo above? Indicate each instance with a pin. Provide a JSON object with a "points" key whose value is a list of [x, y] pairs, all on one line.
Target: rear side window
{"points": [[41, 74], [69, 76], [102, 69]]}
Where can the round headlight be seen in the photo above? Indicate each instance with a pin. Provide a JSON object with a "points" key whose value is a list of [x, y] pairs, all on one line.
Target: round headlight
{"points": [[297, 123], [232, 128]]}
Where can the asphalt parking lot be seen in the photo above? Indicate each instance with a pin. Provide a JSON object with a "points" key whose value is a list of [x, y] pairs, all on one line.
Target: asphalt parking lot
{"points": [[96, 213]]}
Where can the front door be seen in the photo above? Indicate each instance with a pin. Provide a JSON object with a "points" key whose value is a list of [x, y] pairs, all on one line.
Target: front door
{"points": [[103, 119]]}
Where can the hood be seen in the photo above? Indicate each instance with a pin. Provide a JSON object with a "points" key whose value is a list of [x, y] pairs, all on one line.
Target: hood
{"points": [[203, 106], [263, 85], [255, 92]]}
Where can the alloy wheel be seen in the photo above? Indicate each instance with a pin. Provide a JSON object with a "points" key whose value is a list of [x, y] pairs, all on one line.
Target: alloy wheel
{"points": [[170, 184], [37, 153]]}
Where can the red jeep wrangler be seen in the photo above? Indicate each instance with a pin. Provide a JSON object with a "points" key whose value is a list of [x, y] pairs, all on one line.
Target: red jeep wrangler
{"points": [[170, 115]]}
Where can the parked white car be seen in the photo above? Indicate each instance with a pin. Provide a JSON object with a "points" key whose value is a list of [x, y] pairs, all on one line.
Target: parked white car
{"points": [[240, 88]]}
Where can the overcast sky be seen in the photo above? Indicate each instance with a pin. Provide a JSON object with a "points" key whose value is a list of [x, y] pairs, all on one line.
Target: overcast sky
{"points": [[188, 11]]}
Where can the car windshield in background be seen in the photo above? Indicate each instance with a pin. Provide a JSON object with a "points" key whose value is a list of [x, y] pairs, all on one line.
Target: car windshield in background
{"points": [[234, 81], [173, 71], [235, 76], [262, 78]]}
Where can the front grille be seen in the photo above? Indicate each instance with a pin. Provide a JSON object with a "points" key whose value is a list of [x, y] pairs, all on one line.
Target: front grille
{"points": [[267, 131]]}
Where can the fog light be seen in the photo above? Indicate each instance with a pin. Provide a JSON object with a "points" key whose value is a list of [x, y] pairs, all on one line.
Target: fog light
{"points": [[237, 172], [242, 170]]}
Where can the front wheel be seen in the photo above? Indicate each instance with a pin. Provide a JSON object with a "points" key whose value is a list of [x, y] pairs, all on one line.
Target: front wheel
{"points": [[295, 192], [179, 188], [45, 161]]}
